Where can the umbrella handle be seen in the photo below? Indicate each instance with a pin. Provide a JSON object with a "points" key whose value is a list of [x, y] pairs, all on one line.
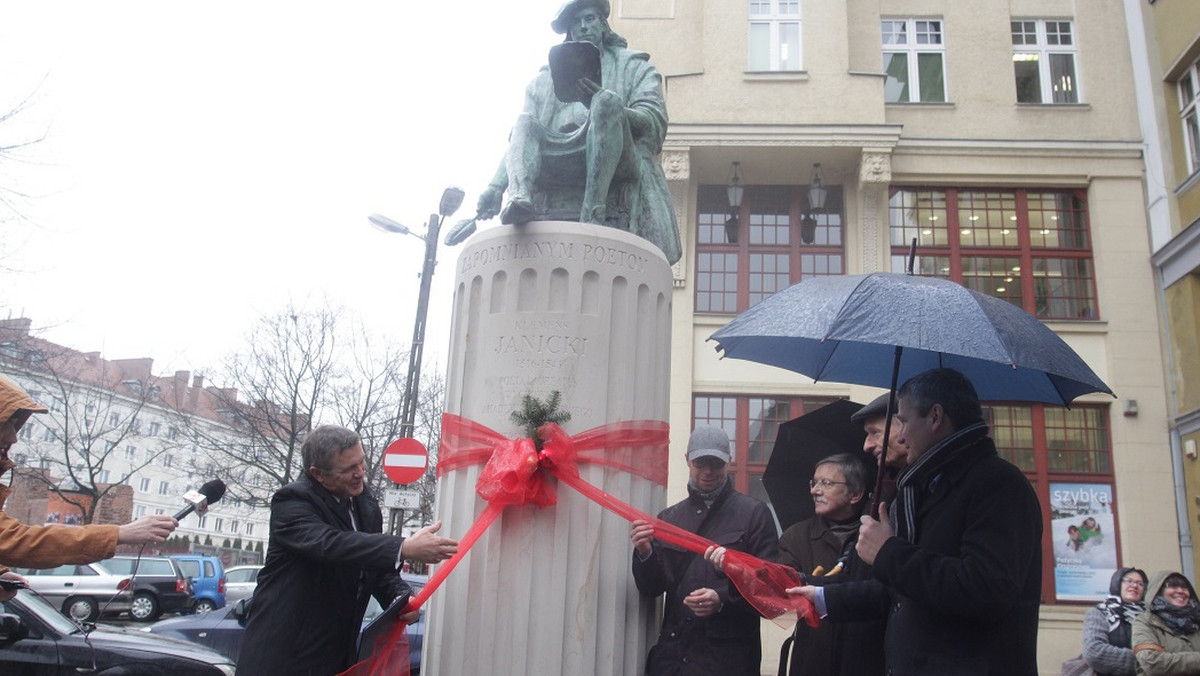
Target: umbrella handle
{"points": [[877, 496]]}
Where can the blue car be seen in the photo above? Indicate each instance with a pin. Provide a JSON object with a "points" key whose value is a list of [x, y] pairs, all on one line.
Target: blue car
{"points": [[222, 629], [208, 580]]}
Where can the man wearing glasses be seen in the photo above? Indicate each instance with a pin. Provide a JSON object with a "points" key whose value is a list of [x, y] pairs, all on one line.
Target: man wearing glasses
{"points": [[820, 546], [326, 556]]}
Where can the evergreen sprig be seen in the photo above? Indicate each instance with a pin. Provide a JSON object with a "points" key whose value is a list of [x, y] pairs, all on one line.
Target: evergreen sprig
{"points": [[534, 413]]}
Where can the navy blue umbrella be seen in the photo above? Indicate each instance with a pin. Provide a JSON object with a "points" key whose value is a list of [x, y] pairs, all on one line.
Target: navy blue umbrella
{"points": [[858, 328], [883, 328]]}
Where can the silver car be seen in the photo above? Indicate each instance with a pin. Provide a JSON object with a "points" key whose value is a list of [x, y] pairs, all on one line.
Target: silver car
{"points": [[83, 592], [240, 582]]}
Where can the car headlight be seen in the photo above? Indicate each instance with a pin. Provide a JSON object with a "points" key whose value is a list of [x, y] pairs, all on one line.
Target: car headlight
{"points": [[227, 669]]}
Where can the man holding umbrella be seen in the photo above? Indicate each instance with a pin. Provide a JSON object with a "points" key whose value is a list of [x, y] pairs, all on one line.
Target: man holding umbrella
{"points": [[957, 561]]}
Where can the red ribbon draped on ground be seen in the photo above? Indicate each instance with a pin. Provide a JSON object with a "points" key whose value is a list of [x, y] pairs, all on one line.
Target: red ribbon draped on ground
{"points": [[516, 473]]}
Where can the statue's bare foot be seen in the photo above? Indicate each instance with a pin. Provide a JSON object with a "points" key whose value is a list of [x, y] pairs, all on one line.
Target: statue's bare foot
{"points": [[517, 211]]}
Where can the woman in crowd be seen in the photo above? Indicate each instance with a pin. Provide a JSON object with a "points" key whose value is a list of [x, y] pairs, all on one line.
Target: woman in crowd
{"points": [[1166, 638], [1108, 627]]}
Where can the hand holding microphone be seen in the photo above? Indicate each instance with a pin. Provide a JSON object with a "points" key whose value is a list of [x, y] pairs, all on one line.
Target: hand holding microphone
{"points": [[198, 501], [155, 528]]}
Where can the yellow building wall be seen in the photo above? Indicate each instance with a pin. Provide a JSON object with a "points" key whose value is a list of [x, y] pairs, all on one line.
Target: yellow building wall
{"points": [[1183, 312]]}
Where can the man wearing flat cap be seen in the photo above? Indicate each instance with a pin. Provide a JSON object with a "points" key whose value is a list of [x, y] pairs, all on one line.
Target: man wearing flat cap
{"points": [[609, 146], [707, 628], [50, 546]]}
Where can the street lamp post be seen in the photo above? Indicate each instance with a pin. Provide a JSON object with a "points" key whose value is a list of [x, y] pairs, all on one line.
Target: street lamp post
{"points": [[451, 199]]}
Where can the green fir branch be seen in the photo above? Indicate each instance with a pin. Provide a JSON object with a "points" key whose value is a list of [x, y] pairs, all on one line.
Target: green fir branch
{"points": [[534, 413]]}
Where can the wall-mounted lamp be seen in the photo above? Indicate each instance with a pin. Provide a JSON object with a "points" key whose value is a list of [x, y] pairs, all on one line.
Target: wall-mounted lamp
{"points": [[808, 229], [816, 190], [735, 191]]}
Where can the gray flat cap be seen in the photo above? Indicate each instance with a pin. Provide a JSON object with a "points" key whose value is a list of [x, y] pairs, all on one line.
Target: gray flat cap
{"points": [[875, 409]]}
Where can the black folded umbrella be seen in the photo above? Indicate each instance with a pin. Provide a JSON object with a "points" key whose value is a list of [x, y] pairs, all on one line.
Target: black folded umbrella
{"points": [[800, 444]]}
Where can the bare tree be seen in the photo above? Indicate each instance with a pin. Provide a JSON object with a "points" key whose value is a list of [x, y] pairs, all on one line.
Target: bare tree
{"points": [[272, 393], [96, 412]]}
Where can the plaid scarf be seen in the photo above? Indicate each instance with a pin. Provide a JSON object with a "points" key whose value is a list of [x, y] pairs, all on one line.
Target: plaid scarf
{"points": [[921, 474], [1185, 620]]}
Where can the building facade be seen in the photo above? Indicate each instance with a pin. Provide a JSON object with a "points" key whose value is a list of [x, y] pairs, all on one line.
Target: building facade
{"points": [[1004, 138], [1165, 35], [112, 423]]}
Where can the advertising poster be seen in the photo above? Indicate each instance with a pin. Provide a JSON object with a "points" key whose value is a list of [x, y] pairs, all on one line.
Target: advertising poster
{"points": [[1085, 548]]}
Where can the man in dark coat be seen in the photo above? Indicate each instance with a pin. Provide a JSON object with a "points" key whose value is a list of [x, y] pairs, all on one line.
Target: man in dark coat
{"points": [[959, 579], [707, 628], [325, 557], [816, 546]]}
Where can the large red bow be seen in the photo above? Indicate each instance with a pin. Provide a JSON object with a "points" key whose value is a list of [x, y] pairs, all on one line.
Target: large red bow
{"points": [[516, 473]]}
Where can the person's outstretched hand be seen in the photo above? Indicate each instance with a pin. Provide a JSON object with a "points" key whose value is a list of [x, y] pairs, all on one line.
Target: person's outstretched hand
{"points": [[872, 534], [428, 547], [150, 529]]}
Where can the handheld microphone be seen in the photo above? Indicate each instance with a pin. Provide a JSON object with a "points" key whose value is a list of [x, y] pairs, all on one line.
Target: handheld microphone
{"points": [[198, 501]]}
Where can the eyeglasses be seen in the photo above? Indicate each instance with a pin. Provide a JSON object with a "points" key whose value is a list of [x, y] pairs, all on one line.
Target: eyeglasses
{"points": [[825, 484], [1133, 581]]}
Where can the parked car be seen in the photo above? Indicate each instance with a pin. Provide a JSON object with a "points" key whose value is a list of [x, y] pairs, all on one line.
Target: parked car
{"points": [[222, 629], [82, 592], [36, 639], [208, 580], [240, 582], [159, 585]]}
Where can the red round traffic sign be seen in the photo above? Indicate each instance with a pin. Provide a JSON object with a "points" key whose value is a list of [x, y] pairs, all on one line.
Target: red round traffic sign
{"points": [[405, 460]]}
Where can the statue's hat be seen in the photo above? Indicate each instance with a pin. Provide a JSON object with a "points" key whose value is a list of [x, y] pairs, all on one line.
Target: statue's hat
{"points": [[562, 20]]}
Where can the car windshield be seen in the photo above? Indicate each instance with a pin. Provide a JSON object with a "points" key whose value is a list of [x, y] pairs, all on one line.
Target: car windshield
{"points": [[190, 568], [47, 613]]}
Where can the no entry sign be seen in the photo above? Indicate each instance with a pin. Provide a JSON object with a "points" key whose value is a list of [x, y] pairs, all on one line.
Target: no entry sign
{"points": [[405, 460]]}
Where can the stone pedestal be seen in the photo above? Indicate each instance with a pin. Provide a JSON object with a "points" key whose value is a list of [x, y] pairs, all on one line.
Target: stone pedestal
{"points": [[585, 310]]}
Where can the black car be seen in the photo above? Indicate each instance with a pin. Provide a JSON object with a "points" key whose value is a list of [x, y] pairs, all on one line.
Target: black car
{"points": [[222, 629], [37, 639], [158, 583]]}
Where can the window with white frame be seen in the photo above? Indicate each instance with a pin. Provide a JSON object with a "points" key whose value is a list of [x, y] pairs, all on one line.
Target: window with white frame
{"points": [[130, 453], [233, 526], [154, 429], [914, 59], [1044, 61], [163, 487], [144, 485], [26, 433], [1189, 112], [139, 511], [774, 38], [218, 525]]}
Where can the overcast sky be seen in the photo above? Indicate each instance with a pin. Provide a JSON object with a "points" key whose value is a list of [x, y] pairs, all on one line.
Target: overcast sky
{"points": [[206, 163]]}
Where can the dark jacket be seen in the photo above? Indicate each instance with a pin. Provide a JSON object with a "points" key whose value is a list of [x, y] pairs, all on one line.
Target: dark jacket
{"points": [[314, 587], [728, 642], [963, 599], [805, 546]]}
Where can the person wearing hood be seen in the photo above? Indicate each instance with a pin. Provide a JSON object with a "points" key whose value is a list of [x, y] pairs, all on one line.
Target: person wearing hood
{"points": [[51, 546], [1166, 638], [1108, 627], [707, 628]]}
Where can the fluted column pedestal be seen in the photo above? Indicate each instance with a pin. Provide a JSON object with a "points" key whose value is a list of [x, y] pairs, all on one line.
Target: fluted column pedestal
{"points": [[584, 310]]}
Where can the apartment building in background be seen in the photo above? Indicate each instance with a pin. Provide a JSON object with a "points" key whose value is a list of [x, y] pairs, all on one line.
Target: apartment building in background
{"points": [[821, 138], [113, 423]]}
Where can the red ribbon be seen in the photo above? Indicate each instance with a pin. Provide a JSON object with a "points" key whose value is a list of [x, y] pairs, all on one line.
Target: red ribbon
{"points": [[516, 473]]}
